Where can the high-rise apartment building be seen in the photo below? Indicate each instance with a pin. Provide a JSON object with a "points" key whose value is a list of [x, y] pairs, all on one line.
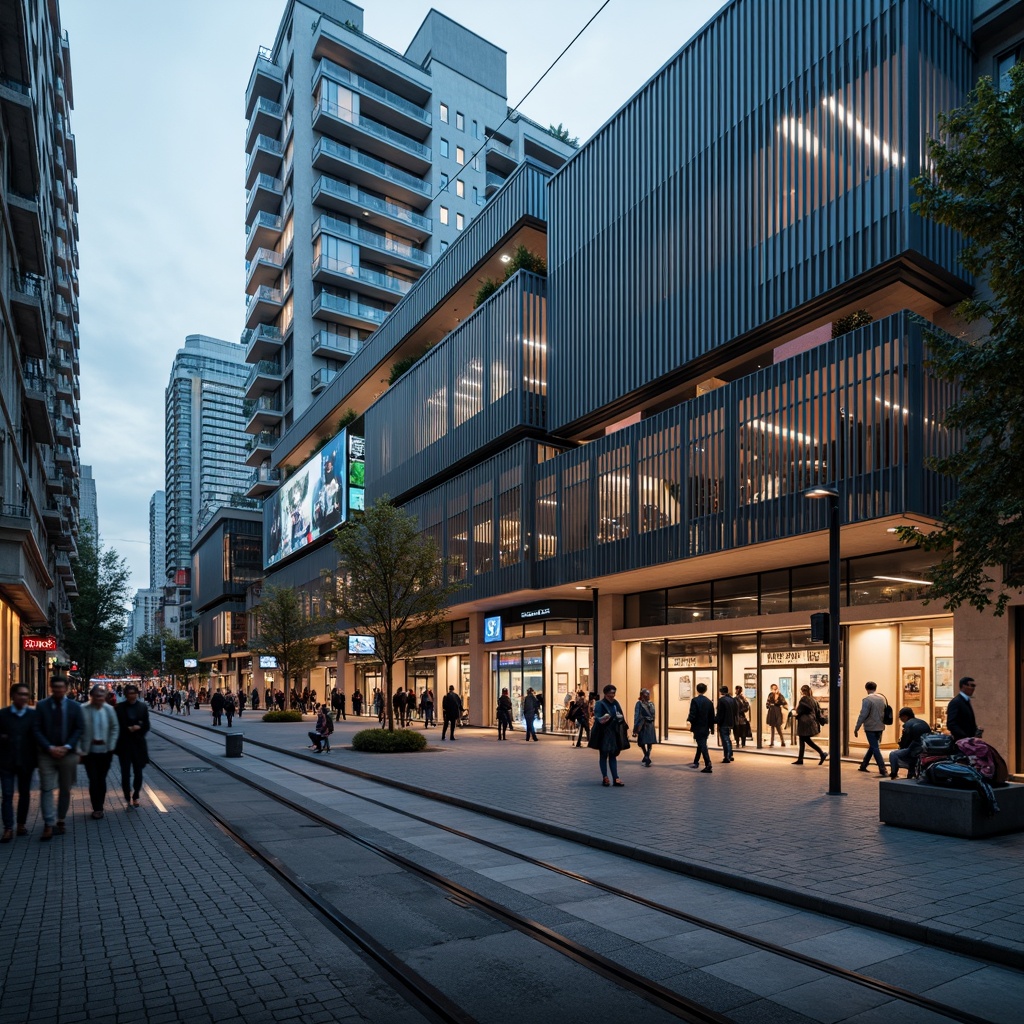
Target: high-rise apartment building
{"points": [[146, 613], [619, 460], [87, 508], [157, 539], [364, 165], [39, 353], [204, 449]]}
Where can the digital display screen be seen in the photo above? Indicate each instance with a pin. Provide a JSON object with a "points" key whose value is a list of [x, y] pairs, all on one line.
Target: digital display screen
{"points": [[268, 661], [191, 663], [362, 645]]}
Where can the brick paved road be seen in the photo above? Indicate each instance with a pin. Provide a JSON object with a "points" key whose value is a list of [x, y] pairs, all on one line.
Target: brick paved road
{"points": [[760, 818], [150, 917]]}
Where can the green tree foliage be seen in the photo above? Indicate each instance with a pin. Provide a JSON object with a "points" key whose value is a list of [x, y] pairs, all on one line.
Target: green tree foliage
{"points": [[145, 657], [390, 585], [521, 259], [859, 318], [562, 133], [286, 631], [978, 189], [98, 611]]}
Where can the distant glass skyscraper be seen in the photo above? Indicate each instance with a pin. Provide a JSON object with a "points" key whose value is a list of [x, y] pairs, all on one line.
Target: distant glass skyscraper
{"points": [[204, 442], [87, 511], [157, 539]]}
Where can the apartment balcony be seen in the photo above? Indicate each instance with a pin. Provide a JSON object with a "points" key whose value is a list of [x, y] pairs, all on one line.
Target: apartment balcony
{"points": [[71, 152], [260, 446], [65, 387], [28, 231], [263, 233], [263, 269], [39, 393], [334, 346], [64, 456], [267, 117], [327, 270], [371, 136], [493, 182], [54, 477], [62, 431], [264, 376], [500, 157], [266, 80], [364, 169], [26, 299], [378, 101], [62, 282], [381, 248], [266, 158], [263, 305], [321, 378], [347, 311], [266, 195], [261, 412], [63, 337], [370, 209], [262, 481], [261, 342], [16, 109], [53, 517], [61, 224]]}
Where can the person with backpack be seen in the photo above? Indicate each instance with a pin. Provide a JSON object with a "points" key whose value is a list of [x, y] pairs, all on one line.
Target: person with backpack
{"points": [[872, 717], [808, 724], [451, 710], [910, 743], [530, 707], [504, 711], [229, 706], [584, 714]]}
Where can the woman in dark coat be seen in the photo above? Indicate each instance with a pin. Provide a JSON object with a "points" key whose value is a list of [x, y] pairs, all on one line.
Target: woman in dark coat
{"points": [[643, 726], [775, 704], [808, 725], [741, 728], [504, 711], [608, 735]]}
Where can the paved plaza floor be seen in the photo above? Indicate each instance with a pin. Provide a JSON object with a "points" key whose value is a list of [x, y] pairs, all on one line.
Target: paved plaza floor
{"points": [[760, 824]]}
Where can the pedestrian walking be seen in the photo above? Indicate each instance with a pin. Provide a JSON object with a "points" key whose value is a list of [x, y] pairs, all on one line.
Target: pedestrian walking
{"points": [[217, 707], [504, 712], [255, 699], [609, 736], [229, 707], [808, 724], [643, 726], [584, 708], [58, 729], [725, 717], [702, 722], [775, 704], [741, 730], [872, 718], [357, 702], [398, 706], [378, 705], [960, 720], [429, 719], [341, 705], [530, 707], [97, 745], [19, 754], [132, 750], [239, 703], [451, 709]]}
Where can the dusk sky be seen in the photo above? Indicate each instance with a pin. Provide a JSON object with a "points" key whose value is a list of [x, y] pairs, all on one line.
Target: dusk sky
{"points": [[159, 94]]}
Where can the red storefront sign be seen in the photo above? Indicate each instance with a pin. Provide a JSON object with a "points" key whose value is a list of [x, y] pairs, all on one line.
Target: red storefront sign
{"points": [[39, 643]]}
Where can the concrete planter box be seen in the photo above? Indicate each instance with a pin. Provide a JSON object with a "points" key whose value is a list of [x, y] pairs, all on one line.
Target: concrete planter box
{"points": [[907, 803]]}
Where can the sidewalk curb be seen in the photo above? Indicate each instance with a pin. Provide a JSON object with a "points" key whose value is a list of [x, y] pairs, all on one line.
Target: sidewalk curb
{"points": [[894, 923]]}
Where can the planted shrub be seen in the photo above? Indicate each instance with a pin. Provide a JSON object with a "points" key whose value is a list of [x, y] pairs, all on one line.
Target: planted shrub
{"points": [[381, 741], [283, 716]]}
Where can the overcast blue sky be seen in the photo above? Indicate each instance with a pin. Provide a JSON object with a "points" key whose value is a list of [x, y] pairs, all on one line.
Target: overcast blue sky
{"points": [[159, 95]]}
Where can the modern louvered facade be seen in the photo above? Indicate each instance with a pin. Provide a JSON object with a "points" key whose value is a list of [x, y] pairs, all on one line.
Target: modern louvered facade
{"points": [[615, 458], [39, 338]]}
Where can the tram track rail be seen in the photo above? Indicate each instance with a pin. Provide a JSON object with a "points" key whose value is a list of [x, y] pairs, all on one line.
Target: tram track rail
{"points": [[542, 933]]}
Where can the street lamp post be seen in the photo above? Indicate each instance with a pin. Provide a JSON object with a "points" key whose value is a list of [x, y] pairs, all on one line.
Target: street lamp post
{"points": [[835, 730], [228, 649]]}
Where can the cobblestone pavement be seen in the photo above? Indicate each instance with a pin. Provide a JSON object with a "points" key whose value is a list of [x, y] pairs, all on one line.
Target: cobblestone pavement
{"points": [[157, 917], [760, 821]]}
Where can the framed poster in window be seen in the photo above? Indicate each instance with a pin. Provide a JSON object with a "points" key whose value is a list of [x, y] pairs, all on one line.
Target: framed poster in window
{"points": [[561, 682], [912, 687], [585, 680], [943, 678]]}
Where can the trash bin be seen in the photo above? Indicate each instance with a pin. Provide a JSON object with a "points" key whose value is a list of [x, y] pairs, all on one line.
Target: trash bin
{"points": [[233, 744]]}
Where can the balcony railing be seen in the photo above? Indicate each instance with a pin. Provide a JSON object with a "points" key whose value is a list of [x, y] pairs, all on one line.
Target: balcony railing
{"points": [[321, 378], [342, 268], [335, 344], [265, 403], [359, 159], [263, 221], [358, 197], [339, 74], [337, 304], [372, 127], [343, 229], [264, 368], [264, 439], [264, 294], [264, 475]]}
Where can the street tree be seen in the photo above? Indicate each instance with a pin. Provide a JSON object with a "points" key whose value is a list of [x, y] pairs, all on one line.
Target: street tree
{"points": [[287, 632], [977, 188], [98, 611], [389, 584]]}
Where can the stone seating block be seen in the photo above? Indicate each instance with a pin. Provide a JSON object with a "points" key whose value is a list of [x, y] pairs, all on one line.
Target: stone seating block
{"points": [[907, 803]]}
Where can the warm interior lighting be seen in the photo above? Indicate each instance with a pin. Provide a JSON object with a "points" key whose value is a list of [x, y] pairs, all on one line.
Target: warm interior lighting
{"points": [[505, 258], [803, 137], [904, 579], [822, 492], [860, 132], [771, 428]]}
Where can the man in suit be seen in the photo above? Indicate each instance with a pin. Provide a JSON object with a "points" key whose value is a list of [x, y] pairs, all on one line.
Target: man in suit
{"points": [[726, 720], [217, 706], [451, 709], [960, 712], [18, 757], [702, 722], [132, 754], [58, 729]]}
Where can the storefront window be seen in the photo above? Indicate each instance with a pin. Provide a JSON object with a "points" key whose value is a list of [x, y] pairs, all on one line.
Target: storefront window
{"points": [[891, 578], [735, 597], [686, 664], [810, 587], [689, 604], [775, 592]]}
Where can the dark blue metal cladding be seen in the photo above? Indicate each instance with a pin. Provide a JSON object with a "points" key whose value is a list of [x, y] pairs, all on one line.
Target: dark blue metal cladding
{"points": [[731, 468], [766, 165], [485, 381], [522, 197]]}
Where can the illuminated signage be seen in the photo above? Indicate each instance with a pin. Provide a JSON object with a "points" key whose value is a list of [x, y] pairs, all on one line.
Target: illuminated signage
{"points": [[268, 661], [316, 499], [492, 629], [39, 643], [361, 645], [535, 613], [191, 663]]}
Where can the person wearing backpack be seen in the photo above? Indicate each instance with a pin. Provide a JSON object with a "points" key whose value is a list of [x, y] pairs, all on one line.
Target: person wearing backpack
{"points": [[872, 717]]}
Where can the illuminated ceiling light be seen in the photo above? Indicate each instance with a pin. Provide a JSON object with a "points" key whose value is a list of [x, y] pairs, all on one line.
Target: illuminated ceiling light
{"points": [[771, 428], [904, 579], [860, 132], [505, 258]]}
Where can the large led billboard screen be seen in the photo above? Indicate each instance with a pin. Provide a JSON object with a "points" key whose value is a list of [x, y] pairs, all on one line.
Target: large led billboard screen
{"points": [[314, 500]]}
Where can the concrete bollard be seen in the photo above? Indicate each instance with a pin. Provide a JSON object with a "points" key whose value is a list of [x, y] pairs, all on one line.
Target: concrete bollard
{"points": [[233, 744]]}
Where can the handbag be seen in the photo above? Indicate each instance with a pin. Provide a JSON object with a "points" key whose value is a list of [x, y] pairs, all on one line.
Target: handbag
{"points": [[623, 731], [887, 718]]}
